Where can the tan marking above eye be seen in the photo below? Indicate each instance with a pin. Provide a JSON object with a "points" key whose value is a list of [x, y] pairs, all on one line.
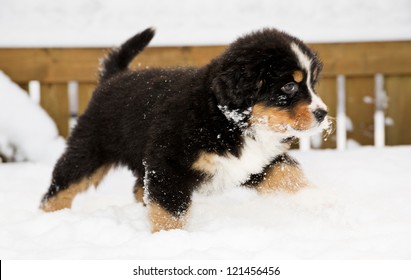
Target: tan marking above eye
{"points": [[298, 76]]}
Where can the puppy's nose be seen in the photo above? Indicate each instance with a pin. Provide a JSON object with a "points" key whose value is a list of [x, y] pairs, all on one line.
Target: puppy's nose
{"points": [[320, 114]]}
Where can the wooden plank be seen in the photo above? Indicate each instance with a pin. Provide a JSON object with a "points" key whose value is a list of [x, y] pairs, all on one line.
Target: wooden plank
{"points": [[327, 89], [365, 58], [54, 99], [85, 91], [24, 86], [398, 89], [360, 109], [50, 65], [81, 64]]}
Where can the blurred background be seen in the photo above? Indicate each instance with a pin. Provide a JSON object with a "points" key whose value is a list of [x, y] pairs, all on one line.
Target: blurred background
{"points": [[51, 50], [102, 23]]}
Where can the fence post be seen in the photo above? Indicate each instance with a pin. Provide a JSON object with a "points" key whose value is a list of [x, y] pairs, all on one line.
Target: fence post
{"points": [[305, 143], [54, 99], [379, 118], [341, 115]]}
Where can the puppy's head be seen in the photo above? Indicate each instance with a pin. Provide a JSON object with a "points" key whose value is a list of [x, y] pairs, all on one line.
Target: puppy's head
{"points": [[267, 79]]}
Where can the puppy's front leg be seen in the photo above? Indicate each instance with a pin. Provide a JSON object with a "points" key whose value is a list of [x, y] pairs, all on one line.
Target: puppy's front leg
{"points": [[168, 196], [163, 219], [283, 173]]}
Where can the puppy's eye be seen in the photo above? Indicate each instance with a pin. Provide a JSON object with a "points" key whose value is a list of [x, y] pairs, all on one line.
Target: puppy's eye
{"points": [[290, 88]]}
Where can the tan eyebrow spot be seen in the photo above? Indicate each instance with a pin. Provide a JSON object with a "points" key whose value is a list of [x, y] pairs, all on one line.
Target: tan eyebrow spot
{"points": [[298, 76]]}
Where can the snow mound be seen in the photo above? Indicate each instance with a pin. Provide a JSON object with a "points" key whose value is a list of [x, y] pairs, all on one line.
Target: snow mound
{"points": [[25, 128]]}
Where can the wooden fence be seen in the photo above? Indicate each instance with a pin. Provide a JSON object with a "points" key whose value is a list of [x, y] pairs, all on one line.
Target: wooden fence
{"points": [[364, 78]]}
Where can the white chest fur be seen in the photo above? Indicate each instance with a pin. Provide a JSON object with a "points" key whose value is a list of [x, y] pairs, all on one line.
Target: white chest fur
{"points": [[258, 150]]}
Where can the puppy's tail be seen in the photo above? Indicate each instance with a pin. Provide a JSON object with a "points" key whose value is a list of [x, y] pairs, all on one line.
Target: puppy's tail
{"points": [[119, 59]]}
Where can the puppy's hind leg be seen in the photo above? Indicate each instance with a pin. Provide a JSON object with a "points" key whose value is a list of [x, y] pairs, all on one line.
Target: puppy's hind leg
{"points": [[73, 173]]}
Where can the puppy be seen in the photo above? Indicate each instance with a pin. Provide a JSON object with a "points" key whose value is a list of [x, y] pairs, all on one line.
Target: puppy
{"points": [[195, 129]]}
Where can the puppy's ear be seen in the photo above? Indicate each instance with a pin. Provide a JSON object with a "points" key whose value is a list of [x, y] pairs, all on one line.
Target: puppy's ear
{"points": [[235, 88]]}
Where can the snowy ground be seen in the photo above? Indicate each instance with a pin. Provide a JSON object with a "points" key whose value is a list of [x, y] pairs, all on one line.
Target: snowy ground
{"points": [[359, 209]]}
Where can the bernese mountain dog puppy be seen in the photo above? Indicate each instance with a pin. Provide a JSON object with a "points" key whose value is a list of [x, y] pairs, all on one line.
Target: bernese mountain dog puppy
{"points": [[182, 130]]}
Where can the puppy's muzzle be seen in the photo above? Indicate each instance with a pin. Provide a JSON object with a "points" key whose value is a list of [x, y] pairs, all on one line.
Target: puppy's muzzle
{"points": [[320, 114]]}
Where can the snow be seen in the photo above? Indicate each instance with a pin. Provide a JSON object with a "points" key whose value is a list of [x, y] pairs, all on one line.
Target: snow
{"points": [[26, 131], [92, 23], [357, 208]]}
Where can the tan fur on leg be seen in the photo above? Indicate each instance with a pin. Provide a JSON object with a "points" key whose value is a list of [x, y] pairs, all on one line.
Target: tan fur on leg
{"points": [[64, 198], [139, 193], [161, 219], [99, 175], [283, 176]]}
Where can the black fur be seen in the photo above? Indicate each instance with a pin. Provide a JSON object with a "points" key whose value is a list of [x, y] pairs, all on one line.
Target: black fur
{"points": [[119, 59], [157, 121]]}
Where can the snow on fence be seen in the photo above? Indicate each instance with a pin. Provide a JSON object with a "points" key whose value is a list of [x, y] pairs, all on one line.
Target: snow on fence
{"points": [[367, 86]]}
